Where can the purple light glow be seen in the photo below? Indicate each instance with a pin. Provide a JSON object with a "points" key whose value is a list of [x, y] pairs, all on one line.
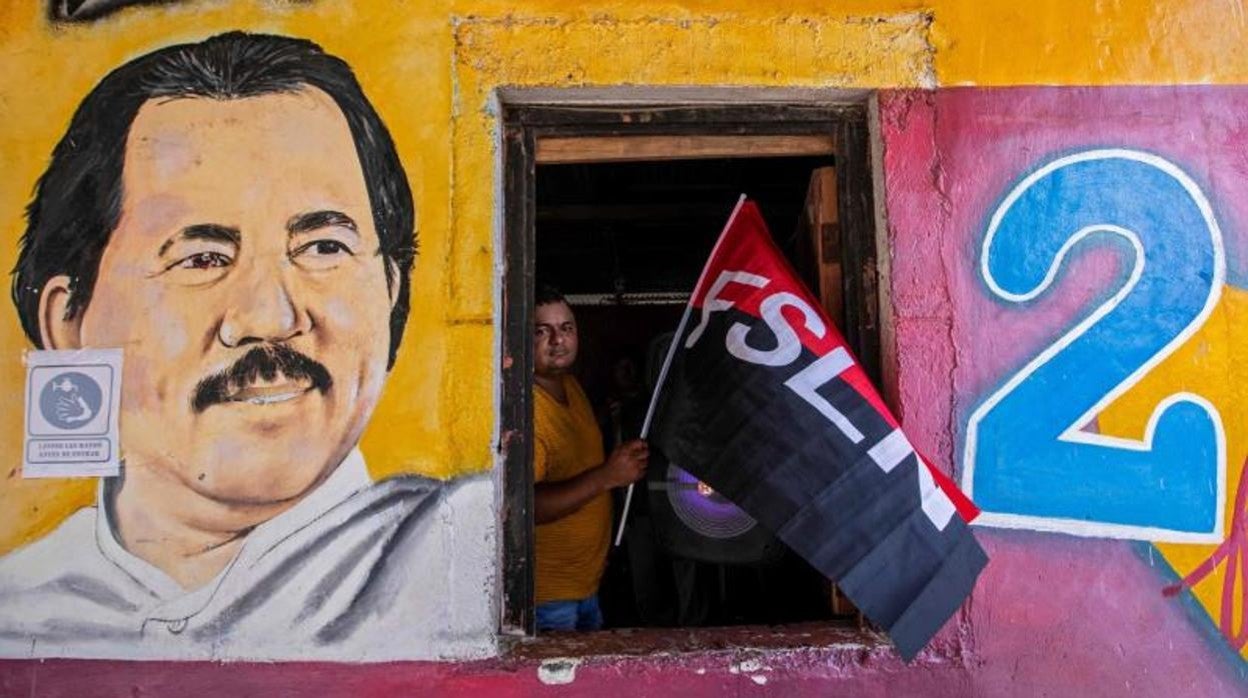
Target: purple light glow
{"points": [[710, 515]]}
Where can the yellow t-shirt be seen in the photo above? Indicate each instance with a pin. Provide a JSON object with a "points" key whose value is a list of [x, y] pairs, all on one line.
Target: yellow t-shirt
{"points": [[571, 552]]}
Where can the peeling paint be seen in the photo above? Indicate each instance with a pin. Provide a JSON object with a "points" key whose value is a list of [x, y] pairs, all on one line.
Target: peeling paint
{"points": [[746, 666], [558, 672]]}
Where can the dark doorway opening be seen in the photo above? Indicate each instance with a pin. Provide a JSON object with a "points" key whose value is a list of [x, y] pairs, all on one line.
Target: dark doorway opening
{"points": [[626, 241], [620, 208]]}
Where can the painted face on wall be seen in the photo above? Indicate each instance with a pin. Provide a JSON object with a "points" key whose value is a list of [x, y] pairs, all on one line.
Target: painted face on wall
{"points": [[244, 282], [555, 339]]}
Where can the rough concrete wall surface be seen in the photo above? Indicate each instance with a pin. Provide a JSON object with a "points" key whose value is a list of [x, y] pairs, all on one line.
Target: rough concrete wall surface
{"points": [[1025, 271], [1068, 280]]}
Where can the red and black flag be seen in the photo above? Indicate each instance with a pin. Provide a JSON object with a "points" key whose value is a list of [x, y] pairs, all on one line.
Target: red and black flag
{"points": [[761, 400]]}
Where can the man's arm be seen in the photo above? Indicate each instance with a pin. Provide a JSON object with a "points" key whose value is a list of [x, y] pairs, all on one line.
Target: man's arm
{"points": [[554, 500]]}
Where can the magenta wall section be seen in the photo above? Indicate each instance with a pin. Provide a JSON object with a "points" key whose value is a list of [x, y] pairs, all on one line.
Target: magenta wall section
{"points": [[1051, 611]]}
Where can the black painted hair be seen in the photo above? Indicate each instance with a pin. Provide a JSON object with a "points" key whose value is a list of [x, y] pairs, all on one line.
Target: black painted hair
{"points": [[77, 201]]}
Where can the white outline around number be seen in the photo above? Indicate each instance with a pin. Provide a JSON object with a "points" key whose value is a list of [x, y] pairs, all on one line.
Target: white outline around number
{"points": [[1073, 433]]}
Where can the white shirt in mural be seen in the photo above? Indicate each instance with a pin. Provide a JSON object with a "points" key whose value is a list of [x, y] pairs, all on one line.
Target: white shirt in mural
{"points": [[354, 571]]}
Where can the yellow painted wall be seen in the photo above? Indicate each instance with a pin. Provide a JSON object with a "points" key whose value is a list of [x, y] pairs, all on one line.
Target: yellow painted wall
{"points": [[1207, 365], [430, 68]]}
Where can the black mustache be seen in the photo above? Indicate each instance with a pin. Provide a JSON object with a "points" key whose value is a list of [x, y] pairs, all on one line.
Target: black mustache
{"points": [[262, 362]]}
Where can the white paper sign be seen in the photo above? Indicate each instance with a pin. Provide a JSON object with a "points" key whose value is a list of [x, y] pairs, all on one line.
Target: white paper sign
{"points": [[72, 404]]}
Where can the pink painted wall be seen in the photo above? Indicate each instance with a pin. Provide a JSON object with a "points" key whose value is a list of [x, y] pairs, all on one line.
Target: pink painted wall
{"points": [[1051, 611]]}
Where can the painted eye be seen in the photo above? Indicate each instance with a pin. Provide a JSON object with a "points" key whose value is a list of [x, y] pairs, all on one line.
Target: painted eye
{"points": [[204, 260], [328, 247], [323, 254]]}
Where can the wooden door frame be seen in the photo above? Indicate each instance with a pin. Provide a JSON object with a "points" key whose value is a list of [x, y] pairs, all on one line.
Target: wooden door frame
{"points": [[522, 126]]}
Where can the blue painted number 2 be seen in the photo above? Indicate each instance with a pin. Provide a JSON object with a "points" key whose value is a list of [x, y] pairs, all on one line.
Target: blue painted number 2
{"points": [[1028, 460]]}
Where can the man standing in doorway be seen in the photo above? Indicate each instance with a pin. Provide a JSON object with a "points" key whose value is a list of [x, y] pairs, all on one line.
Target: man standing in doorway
{"points": [[572, 507]]}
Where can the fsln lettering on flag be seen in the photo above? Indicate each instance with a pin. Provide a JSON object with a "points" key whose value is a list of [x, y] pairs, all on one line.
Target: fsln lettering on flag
{"points": [[764, 402]]}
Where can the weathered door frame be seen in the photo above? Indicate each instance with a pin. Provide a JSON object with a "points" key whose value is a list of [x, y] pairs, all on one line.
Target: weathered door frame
{"points": [[523, 124]]}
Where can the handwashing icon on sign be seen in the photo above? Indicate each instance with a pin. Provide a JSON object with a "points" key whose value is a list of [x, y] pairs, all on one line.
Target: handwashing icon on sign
{"points": [[70, 400]]}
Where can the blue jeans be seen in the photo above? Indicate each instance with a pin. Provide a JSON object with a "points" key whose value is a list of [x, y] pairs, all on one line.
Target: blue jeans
{"points": [[570, 615]]}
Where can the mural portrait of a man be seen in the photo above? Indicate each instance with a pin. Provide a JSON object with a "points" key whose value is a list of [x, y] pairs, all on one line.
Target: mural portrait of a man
{"points": [[233, 215]]}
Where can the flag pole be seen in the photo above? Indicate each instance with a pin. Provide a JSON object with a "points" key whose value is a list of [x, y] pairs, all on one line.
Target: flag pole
{"points": [[667, 362]]}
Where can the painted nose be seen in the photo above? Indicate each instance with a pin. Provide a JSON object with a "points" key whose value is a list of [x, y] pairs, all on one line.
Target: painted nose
{"points": [[265, 310]]}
